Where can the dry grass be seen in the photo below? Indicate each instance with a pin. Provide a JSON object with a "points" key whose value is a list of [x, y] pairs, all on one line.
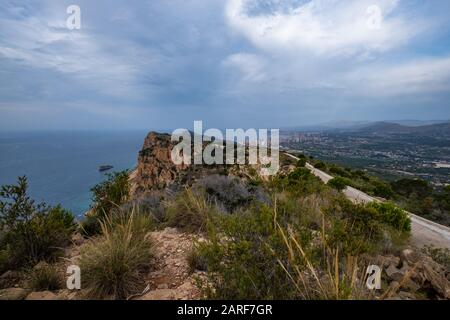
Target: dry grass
{"points": [[190, 211], [114, 264]]}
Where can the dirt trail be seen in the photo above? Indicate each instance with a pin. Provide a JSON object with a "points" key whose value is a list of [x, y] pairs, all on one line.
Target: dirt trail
{"points": [[171, 279], [423, 231]]}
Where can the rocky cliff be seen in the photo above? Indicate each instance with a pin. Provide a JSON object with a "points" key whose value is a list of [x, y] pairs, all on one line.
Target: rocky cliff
{"points": [[155, 168]]}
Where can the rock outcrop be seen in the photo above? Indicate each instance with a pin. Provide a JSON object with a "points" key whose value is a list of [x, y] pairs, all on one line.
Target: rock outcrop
{"points": [[155, 169], [414, 275]]}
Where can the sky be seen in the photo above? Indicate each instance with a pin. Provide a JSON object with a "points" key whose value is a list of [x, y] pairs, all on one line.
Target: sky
{"points": [[230, 63]]}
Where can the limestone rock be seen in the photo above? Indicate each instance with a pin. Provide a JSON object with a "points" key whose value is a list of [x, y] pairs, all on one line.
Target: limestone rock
{"points": [[394, 273]]}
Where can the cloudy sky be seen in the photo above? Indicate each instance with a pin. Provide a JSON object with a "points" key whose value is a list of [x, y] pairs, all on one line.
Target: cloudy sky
{"points": [[231, 63]]}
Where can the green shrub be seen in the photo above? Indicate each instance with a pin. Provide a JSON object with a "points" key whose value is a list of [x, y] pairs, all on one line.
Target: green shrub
{"points": [[409, 187], [300, 182], [339, 171], [382, 189], [36, 232], [90, 226], [320, 165], [338, 183], [354, 229], [114, 265], [190, 211], [111, 193], [197, 260], [240, 254], [107, 197], [5, 259], [301, 163], [392, 215], [45, 277]]}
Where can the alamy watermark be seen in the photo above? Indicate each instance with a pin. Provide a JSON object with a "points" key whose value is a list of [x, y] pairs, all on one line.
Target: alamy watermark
{"points": [[263, 149], [74, 277], [373, 273], [374, 17], [73, 22]]}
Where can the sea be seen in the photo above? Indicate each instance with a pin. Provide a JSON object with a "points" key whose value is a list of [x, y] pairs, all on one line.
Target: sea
{"points": [[62, 166]]}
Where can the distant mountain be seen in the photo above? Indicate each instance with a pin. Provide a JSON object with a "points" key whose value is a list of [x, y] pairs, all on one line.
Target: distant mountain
{"points": [[417, 123], [395, 128], [392, 126]]}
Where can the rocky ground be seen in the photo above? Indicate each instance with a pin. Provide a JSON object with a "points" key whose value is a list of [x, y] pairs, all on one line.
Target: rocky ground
{"points": [[408, 275], [170, 278]]}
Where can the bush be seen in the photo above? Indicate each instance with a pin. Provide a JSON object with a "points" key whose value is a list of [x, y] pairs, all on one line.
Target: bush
{"points": [[107, 197], [301, 163], [338, 183], [304, 245], [409, 187], [240, 257], [230, 193], [320, 165], [36, 232], [190, 211], [150, 204], [90, 226], [392, 215], [5, 259], [383, 190], [197, 260], [45, 277], [111, 193], [300, 182], [339, 171], [114, 264]]}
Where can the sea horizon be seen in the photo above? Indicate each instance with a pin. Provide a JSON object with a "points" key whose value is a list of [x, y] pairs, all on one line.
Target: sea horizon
{"points": [[62, 165]]}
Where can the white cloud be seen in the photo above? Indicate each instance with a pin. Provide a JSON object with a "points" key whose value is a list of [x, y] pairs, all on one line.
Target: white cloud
{"points": [[45, 43], [412, 77], [250, 66], [325, 27]]}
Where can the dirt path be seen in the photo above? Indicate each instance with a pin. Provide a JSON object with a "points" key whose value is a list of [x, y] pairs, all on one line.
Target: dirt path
{"points": [[171, 279], [424, 232]]}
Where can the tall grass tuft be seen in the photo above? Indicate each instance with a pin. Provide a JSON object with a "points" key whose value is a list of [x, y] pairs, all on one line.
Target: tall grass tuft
{"points": [[190, 211], [334, 277], [45, 277], [113, 265]]}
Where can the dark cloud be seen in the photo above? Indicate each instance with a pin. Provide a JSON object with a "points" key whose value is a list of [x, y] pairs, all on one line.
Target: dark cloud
{"points": [[163, 64]]}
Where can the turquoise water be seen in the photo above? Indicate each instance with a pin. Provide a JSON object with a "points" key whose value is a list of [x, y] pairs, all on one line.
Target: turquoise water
{"points": [[62, 166]]}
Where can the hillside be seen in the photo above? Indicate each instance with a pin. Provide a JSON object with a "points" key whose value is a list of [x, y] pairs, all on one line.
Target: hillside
{"points": [[225, 232], [440, 129]]}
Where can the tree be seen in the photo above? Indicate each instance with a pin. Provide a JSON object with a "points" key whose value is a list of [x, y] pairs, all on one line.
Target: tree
{"points": [[31, 232], [111, 193], [412, 187], [301, 162], [338, 183]]}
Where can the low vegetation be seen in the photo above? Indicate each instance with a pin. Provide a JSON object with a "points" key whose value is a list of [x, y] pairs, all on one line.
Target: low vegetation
{"points": [[30, 232], [288, 237], [45, 277], [190, 211], [414, 195], [339, 183], [115, 263], [107, 197], [307, 243]]}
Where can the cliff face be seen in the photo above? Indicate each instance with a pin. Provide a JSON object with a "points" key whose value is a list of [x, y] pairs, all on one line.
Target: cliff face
{"points": [[155, 169]]}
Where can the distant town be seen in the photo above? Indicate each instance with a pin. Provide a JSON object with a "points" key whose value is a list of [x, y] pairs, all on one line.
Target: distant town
{"points": [[384, 149]]}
